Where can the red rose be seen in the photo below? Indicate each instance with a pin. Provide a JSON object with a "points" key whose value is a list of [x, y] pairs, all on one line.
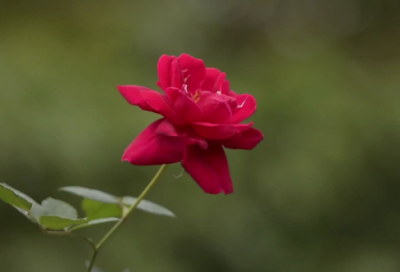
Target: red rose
{"points": [[201, 115]]}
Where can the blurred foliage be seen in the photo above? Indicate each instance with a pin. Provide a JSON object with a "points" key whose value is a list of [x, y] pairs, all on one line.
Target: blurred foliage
{"points": [[320, 193]]}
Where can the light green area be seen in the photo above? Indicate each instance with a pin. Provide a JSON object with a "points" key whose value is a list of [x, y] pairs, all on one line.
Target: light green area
{"points": [[54, 222], [14, 197], [95, 222], [148, 206], [97, 210], [103, 202], [59, 208]]}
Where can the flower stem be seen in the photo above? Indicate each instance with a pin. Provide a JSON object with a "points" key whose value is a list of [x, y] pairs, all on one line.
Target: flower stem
{"points": [[125, 215]]}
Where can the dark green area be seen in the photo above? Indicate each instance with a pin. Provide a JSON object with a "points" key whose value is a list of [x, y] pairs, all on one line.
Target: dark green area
{"points": [[320, 193]]}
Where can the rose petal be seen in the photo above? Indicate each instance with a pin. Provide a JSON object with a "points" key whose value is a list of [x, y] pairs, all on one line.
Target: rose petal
{"points": [[133, 94], [150, 100], [247, 105], [185, 132], [176, 75], [193, 70], [209, 168], [226, 89], [184, 105], [218, 131], [218, 82], [248, 140], [214, 80], [151, 148], [167, 128], [192, 138], [163, 70], [215, 107], [211, 77]]}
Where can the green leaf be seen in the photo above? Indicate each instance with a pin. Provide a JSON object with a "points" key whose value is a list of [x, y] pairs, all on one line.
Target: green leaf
{"points": [[60, 208], [148, 206], [126, 270], [58, 215], [97, 210], [95, 222], [98, 204], [14, 197], [59, 223], [35, 211], [90, 194]]}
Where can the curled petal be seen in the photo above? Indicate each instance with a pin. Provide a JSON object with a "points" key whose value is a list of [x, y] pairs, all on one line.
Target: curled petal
{"points": [[150, 100], [214, 80], [186, 133], [247, 139], [212, 75], [133, 94], [163, 70], [209, 168], [176, 75], [167, 128], [152, 148], [218, 131], [184, 105], [214, 131], [190, 139], [216, 108], [218, 82], [247, 105], [226, 89], [243, 127], [193, 71]]}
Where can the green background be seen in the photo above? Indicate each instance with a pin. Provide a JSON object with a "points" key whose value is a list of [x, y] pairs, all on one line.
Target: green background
{"points": [[320, 193]]}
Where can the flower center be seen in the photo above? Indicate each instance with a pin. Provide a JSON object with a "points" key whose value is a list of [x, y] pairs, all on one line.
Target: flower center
{"points": [[196, 96]]}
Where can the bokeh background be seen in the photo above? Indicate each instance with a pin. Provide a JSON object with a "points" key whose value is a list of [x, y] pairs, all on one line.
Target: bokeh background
{"points": [[320, 193]]}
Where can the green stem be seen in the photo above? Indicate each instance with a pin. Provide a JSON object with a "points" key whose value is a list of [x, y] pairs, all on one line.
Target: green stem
{"points": [[125, 215], [90, 241]]}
